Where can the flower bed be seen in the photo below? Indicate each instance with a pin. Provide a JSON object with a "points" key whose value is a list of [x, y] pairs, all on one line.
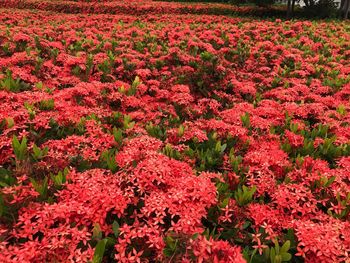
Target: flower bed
{"points": [[138, 7], [172, 138]]}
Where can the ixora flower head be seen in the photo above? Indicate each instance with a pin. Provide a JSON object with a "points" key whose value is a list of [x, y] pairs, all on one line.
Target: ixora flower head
{"points": [[171, 187], [62, 230], [21, 37], [215, 251], [136, 149], [323, 242], [181, 95]]}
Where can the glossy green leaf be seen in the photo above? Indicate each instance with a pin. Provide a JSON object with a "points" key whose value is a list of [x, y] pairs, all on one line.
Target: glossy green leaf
{"points": [[99, 251]]}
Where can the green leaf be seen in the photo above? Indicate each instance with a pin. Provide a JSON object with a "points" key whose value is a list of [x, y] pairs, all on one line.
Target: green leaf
{"points": [[181, 131], [118, 135], [277, 247], [15, 144], [19, 148], [110, 242], [272, 255], [133, 89], [115, 227], [2, 205], [286, 256], [245, 120], [35, 185], [168, 252], [45, 187], [330, 181], [266, 253], [341, 110], [6, 178], [285, 247], [246, 224], [96, 232], [44, 151], [195, 236], [41, 188], [290, 236], [23, 144], [223, 147], [278, 259], [37, 153], [169, 239], [224, 202], [99, 251], [245, 254], [10, 122]]}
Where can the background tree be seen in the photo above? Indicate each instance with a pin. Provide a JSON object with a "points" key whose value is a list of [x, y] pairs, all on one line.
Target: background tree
{"points": [[344, 8]]}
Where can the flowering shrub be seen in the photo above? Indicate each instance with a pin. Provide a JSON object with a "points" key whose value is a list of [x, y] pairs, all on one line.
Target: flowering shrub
{"points": [[171, 137]]}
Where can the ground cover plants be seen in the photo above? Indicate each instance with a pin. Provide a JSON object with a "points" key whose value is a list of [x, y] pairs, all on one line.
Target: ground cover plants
{"points": [[172, 137]]}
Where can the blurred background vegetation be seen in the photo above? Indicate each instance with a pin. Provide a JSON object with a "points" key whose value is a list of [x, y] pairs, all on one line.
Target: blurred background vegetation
{"points": [[292, 8]]}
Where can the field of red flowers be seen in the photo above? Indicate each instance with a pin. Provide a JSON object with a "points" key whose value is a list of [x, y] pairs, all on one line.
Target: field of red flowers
{"points": [[171, 135]]}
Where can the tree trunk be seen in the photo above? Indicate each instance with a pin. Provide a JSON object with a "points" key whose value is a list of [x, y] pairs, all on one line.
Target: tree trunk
{"points": [[341, 5], [289, 9], [341, 8], [293, 6], [347, 9]]}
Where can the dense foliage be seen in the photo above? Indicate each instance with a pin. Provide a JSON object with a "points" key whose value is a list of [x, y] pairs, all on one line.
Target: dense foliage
{"points": [[172, 137]]}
